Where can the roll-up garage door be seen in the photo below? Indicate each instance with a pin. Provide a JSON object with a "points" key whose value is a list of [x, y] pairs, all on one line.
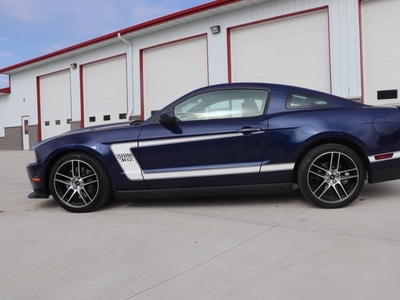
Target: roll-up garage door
{"points": [[169, 71], [290, 50], [381, 50], [55, 103], [104, 88]]}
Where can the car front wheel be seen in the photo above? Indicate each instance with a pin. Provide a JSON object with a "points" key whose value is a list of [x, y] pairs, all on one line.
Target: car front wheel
{"points": [[79, 183], [331, 176]]}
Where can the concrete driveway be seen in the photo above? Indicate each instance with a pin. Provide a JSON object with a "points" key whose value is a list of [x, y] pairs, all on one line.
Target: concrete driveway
{"points": [[256, 247]]}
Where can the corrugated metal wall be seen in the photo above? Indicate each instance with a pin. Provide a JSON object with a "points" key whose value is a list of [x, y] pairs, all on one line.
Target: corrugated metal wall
{"points": [[344, 44]]}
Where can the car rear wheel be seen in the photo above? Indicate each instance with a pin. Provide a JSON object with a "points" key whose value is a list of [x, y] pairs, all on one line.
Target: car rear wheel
{"points": [[331, 176], [79, 183]]}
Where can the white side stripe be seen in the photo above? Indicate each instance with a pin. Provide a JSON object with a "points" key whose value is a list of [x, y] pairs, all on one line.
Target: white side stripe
{"points": [[277, 167], [127, 160], [152, 143], [217, 172], [200, 173]]}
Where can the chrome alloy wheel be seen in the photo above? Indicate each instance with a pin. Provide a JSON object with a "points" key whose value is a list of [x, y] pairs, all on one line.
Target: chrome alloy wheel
{"points": [[76, 183], [333, 177]]}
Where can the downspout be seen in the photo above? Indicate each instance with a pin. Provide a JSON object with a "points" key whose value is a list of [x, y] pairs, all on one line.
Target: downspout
{"points": [[124, 40], [129, 76]]}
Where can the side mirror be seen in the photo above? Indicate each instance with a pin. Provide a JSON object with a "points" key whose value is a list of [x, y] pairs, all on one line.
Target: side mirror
{"points": [[168, 118]]}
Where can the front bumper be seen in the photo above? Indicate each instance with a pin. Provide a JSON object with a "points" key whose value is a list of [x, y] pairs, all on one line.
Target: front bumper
{"points": [[37, 181]]}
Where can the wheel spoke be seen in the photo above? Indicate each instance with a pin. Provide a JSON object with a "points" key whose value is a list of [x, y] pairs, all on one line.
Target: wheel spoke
{"points": [[88, 183], [88, 195], [72, 168], [78, 169], [316, 174], [62, 181], [325, 190], [348, 174], [318, 188], [314, 165], [331, 162], [82, 196], [70, 198], [338, 162], [337, 193], [349, 177], [63, 175], [63, 197], [348, 171], [343, 189], [91, 175]]}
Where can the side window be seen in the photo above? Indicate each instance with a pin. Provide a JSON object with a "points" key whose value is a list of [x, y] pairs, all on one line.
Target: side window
{"points": [[223, 104], [300, 100]]}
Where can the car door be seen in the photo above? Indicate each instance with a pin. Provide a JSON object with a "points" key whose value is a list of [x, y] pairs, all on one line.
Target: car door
{"points": [[215, 138]]}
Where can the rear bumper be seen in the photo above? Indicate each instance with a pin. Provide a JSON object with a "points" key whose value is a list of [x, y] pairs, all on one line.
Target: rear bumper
{"points": [[37, 181], [384, 171]]}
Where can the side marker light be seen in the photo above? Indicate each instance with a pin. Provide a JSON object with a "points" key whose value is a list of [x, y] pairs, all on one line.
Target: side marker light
{"points": [[384, 156]]}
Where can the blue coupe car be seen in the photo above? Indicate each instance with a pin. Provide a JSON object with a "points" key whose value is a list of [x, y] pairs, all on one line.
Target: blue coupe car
{"points": [[225, 139]]}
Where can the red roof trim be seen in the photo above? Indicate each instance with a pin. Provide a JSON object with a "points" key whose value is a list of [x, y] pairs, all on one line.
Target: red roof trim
{"points": [[5, 90], [141, 26]]}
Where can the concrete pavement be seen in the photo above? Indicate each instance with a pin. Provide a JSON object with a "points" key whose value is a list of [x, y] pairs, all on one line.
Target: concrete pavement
{"points": [[275, 246]]}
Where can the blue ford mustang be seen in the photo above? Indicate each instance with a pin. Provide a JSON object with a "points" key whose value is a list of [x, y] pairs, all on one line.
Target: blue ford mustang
{"points": [[225, 139]]}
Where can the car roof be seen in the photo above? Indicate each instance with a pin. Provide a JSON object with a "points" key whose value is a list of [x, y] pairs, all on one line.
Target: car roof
{"points": [[276, 87]]}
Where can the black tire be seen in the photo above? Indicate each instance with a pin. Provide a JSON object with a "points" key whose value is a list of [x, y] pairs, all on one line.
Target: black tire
{"points": [[79, 183], [331, 176]]}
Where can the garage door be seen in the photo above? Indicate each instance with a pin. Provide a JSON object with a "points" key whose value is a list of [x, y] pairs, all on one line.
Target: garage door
{"points": [[381, 50], [55, 103], [172, 70], [291, 50], [104, 92]]}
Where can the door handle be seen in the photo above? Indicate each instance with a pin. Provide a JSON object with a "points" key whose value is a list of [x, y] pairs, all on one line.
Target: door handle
{"points": [[249, 130]]}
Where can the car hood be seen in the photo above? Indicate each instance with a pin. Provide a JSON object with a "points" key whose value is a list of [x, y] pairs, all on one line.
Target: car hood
{"points": [[78, 133], [98, 128]]}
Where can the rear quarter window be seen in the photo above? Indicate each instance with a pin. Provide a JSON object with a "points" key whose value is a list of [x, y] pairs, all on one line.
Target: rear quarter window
{"points": [[302, 100]]}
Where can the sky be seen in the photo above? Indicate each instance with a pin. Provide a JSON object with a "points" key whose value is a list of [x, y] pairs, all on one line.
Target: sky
{"points": [[32, 28]]}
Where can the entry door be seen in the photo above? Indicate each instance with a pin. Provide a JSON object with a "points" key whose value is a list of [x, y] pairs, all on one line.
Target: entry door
{"points": [[25, 132], [218, 139]]}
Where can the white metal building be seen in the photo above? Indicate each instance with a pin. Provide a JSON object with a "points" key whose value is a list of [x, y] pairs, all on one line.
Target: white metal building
{"points": [[350, 48]]}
